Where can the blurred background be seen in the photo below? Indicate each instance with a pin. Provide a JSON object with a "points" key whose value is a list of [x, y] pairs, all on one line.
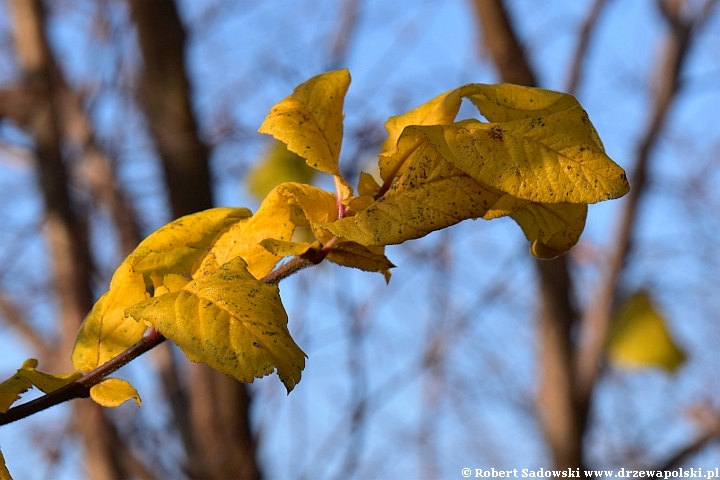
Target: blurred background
{"points": [[117, 116]]}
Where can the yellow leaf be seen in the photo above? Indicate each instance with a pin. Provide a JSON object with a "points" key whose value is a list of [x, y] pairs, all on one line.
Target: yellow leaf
{"points": [[639, 336], [47, 382], [367, 185], [278, 165], [498, 103], [105, 332], [281, 248], [230, 321], [173, 248], [26, 377], [113, 392], [549, 160], [369, 259], [287, 207], [553, 229], [310, 121], [4, 473], [431, 194], [11, 389], [177, 246]]}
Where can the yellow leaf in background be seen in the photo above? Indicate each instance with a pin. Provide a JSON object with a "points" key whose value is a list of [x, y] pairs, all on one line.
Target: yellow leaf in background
{"points": [[231, 321], [113, 392], [287, 207], [278, 165], [310, 121], [106, 332], [639, 336], [4, 473], [431, 194], [369, 259]]}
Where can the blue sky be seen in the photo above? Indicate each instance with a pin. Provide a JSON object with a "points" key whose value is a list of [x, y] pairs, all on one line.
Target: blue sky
{"points": [[245, 56]]}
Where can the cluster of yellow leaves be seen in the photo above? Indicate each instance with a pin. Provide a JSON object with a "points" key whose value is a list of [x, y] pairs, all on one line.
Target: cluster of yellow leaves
{"points": [[197, 280]]}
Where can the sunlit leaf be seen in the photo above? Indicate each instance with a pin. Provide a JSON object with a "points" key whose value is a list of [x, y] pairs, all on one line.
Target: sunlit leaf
{"points": [[431, 194], [277, 165], [367, 185], [11, 389], [281, 248], [310, 121], [639, 336], [553, 228], [105, 332], [4, 473], [113, 392], [548, 160], [369, 259], [173, 248], [26, 377], [287, 207], [47, 382], [230, 321]]}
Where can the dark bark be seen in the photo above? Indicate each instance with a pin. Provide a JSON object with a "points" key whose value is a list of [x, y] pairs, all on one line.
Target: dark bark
{"points": [[221, 444]]}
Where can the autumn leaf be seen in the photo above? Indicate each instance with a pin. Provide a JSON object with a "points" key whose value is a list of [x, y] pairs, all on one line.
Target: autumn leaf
{"points": [[46, 382], [173, 248], [431, 194], [11, 389], [639, 336], [277, 165], [310, 122], [231, 321], [354, 255], [177, 246], [548, 160], [113, 392], [287, 207], [552, 229], [26, 377], [105, 332]]}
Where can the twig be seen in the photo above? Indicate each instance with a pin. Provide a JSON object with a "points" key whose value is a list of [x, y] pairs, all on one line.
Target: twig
{"points": [[595, 324], [80, 388], [582, 45]]}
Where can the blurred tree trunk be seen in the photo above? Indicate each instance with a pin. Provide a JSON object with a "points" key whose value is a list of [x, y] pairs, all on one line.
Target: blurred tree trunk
{"points": [[43, 115], [555, 318], [215, 417]]}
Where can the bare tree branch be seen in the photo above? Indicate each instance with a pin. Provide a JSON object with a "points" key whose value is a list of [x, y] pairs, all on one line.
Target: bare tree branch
{"points": [[596, 320], [556, 316], [582, 45]]}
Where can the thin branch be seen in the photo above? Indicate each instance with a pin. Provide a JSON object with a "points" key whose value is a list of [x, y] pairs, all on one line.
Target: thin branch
{"points": [[596, 322], [15, 319], [80, 388], [580, 54]]}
